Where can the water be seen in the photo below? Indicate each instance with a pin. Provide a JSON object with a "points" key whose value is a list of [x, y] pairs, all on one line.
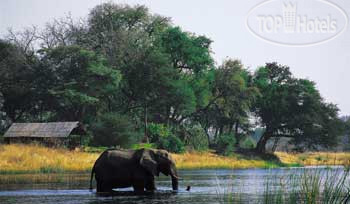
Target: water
{"points": [[207, 186]]}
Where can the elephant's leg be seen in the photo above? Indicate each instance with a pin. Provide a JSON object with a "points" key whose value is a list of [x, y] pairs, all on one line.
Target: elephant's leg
{"points": [[150, 184], [105, 186], [98, 186], [139, 187]]}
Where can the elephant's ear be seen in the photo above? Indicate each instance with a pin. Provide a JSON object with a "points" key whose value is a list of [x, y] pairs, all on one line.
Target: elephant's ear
{"points": [[148, 162]]}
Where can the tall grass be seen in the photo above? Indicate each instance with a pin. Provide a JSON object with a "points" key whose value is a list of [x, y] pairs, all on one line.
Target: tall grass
{"points": [[311, 186], [19, 158], [229, 192], [315, 158], [306, 186], [208, 160]]}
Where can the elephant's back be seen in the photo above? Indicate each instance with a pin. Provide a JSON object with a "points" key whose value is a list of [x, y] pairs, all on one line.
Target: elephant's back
{"points": [[120, 158], [121, 154], [116, 164]]}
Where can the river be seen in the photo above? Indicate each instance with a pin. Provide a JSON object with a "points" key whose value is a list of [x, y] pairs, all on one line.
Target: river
{"points": [[207, 186]]}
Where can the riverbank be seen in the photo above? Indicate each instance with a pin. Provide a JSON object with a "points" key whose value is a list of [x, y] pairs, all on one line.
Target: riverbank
{"points": [[17, 158]]}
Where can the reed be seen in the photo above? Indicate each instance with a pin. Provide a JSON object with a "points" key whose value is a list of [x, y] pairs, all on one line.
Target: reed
{"points": [[311, 186]]}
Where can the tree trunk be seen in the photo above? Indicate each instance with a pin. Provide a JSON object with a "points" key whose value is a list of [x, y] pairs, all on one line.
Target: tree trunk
{"points": [[221, 130], [230, 128], [275, 144], [238, 137], [145, 124], [207, 133], [261, 146], [216, 133]]}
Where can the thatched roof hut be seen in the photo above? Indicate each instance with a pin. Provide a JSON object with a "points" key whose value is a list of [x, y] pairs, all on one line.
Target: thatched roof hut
{"points": [[57, 130]]}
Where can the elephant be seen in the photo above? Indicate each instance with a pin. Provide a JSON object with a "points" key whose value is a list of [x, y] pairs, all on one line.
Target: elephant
{"points": [[132, 168]]}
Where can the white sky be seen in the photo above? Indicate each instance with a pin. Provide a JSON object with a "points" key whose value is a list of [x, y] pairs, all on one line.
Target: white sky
{"points": [[223, 21]]}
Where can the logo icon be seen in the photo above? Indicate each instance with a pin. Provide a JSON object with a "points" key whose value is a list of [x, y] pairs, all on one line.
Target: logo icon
{"points": [[289, 16], [296, 23]]}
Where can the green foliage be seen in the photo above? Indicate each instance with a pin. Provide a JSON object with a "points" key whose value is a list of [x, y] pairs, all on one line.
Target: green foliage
{"points": [[144, 145], [163, 138], [196, 138], [124, 59], [231, 99], [291, 107], [248, 143], [186, 50], [225, 144], [3, 118], [92, 149], [80, 82], [171, 143], [157, 131], [113, 129], [17, 81]]}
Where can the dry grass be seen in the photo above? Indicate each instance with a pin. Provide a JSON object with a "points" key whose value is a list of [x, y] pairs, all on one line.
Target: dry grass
{"points": [[19, 158], [34, 158], [205, 160], [315, 158]]}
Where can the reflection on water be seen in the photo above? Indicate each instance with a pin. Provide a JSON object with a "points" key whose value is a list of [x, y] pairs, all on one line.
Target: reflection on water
{"points": [[207, 186]]}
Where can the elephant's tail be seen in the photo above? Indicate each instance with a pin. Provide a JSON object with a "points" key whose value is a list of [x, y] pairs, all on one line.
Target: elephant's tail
{"points": [[92, 175]]}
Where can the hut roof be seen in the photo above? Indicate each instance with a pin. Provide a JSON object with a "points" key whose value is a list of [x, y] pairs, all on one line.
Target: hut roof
{"points": [[56, 129]]}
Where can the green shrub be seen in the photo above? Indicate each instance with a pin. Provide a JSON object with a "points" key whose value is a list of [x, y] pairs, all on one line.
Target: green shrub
{"points": [[225, 143], [157, 131], [94, 149], [113, 129], [171, 144], [144, 145], [248, 143], [163, 138], [196, 138]]}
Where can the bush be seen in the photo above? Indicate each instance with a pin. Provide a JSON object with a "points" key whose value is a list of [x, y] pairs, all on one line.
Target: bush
{"points": [[157, 131], [171, 144], [163, 138], [113, 129], [248, 143], [196, 137], [143, 145], [94, 149], [225, 143]]}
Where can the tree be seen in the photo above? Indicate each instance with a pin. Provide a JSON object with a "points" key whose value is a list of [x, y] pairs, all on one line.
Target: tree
{"points": [[122, 33], [290, 107], [230, 102], [189, 55], [78, 81], [113, 129], [17, 80], [126, 36], [3, 118]]}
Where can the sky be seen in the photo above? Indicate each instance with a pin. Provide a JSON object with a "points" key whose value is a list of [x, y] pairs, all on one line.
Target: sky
{"points": [[224, 22]]}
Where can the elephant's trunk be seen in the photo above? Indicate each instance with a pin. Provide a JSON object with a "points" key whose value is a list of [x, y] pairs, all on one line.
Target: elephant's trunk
{"points": [[174, 178], [175, 183]]}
